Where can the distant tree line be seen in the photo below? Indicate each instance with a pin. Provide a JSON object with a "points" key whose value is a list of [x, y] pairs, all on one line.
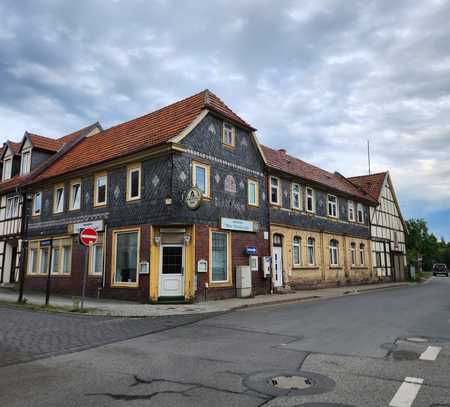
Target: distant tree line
{"points": [[420, 243]]}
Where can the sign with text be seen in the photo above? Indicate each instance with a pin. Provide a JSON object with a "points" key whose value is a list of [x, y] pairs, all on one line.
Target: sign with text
{"points": [[239, 225], [97, 225]]}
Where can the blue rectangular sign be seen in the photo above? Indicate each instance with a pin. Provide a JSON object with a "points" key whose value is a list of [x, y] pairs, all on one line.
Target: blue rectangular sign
{"points": [[250, 250]]}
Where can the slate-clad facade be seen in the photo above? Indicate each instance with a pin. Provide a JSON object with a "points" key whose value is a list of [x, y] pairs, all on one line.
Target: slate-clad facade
{"points": [[182, 199]]}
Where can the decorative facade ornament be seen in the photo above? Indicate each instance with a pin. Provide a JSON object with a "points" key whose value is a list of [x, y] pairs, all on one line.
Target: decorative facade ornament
{"points": [[117, 192], [212, 129], [87, 198], [241, 185], [183, 176], [47, 204], [263, 196], [217, 178], [286, 193], [321, 203], [155, 181], [244, 141], [193, 198], [230, 184]]}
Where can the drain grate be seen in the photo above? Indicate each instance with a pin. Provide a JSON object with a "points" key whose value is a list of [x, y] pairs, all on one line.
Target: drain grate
{"points": [[292, 382], [418, 339], [400, 355]]}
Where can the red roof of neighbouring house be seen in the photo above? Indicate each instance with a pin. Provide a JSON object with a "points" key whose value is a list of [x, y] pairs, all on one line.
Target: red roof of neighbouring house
{"points": [[280, 160], [372, 183], [151, 130]]}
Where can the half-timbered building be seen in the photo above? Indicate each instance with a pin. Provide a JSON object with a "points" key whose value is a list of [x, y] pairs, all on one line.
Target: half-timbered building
{"points": [[387, 226]]}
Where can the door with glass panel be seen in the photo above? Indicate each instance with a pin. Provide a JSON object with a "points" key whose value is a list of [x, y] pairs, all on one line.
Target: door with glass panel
{"points": [[171, 280]]}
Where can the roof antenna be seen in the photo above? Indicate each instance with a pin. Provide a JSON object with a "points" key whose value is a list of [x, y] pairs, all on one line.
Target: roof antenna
{"points": [[368, 153]]}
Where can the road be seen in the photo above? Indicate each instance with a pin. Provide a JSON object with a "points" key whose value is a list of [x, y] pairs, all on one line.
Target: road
{"points": [[385, 347]]}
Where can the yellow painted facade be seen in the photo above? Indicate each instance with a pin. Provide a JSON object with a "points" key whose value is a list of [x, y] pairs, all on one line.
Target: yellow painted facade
{"points": [[320, 271]]}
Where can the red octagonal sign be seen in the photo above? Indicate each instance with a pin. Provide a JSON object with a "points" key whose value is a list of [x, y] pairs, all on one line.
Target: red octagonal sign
{"points": [[88, 236]]}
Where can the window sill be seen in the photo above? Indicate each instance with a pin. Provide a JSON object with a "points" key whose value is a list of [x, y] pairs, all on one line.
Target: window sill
{"points": [[359, 267], [305, 267], [225, 284], [100, 205], [252, 206], [125, 285], [336, 267]]}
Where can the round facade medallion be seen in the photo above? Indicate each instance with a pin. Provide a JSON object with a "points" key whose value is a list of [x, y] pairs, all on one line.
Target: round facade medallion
{"points": [[193, 198]]}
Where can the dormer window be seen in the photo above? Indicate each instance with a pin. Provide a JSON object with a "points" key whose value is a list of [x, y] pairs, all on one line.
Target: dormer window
{"points": [[25, 162], [7, 168], [228, 134]]}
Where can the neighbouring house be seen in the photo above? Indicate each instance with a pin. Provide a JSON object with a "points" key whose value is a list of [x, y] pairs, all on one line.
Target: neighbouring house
{"points": [[319, 225], [19, 163], [387, 226]]}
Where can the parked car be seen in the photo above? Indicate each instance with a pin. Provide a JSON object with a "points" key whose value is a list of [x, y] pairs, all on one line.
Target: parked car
{"points": [[440, 268]]}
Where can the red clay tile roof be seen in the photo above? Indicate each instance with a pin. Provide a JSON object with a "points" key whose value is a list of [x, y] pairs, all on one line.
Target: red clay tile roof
{"points": [[372, 183], [151, 130], [12, 183], [14, 146], [279, 160]]}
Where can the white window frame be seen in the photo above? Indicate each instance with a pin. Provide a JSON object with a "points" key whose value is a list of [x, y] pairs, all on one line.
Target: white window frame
{"points": [[131, 169], [56, 208], [351, 211], [37, 211], [12, 207], [207, 168], [252, 182], [296, 191], [309, 193], [278, 189], [360, 210], [228, 134], [73, 206], [25, 164], [7, 169], [93, 257], [98, 177], [297, 244], [353, 254], [334, 253], [311, 249], [114, 258], [362, 254], [332, 205]]}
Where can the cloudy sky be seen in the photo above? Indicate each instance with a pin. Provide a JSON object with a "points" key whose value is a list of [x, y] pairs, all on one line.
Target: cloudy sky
{"points": [[317, 77]]}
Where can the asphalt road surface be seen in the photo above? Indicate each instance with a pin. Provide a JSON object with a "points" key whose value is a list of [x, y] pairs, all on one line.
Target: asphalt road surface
{"points": [[382, 348]]}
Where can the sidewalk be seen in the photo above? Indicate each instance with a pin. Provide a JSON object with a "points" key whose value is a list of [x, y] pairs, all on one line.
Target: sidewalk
{"points": [[132, 309]]}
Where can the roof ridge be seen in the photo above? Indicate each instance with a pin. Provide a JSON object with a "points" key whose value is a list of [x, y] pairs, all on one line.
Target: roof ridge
{"points": [[369, 175]]}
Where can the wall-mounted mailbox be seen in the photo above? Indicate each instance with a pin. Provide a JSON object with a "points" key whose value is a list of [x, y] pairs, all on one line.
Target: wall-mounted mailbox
{"points": [[202, 266], [143, 267]]}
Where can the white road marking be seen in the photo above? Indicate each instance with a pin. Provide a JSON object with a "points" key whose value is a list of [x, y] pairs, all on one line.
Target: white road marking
{"points": [[431, 353], [407, 392]]}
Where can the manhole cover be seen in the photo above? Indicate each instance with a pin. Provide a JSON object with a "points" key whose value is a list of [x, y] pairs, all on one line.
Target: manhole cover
{"points": [[291, 382], [404, 355], [418, 339], [284, 383]]}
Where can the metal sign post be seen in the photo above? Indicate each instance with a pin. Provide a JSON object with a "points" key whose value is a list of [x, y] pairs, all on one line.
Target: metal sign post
{"points": [[48, 243], [88, 237]]}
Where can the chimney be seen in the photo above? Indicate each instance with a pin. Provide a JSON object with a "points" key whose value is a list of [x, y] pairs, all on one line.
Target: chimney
{"points": [[282, 151]]}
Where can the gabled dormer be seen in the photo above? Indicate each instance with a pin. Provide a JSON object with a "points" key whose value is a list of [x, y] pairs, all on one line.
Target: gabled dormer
{"points": [[10, 160]]}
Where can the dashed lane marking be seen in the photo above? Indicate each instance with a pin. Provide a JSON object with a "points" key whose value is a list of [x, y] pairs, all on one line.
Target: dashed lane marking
{"points": [[431, 353], [407, 392]]}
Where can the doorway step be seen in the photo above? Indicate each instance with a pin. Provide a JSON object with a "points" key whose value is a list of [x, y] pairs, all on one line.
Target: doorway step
{"points": [[171, 300]]}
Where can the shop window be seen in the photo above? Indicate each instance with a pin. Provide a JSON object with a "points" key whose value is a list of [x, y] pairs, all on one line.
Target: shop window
{"points": [[126, 257], [219, 257]]}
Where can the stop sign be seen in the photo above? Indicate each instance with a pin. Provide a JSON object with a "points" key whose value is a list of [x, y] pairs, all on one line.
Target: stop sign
{"points": [[88, 236]]}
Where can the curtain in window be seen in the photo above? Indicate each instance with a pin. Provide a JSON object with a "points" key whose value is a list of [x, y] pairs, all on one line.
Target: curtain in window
{"points": [[219, 256]]}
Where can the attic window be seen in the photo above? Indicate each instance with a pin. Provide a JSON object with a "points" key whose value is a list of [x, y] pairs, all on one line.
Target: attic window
{"points": [[7, 168], [228, 134], [25, 162]]}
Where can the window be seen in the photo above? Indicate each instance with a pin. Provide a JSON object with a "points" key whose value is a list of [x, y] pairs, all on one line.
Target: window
{"points": [[12, 207], [43, 257], [56, 260], [219, 257], [61, 256], [332, 206], [275, 191], [33, 260], [228, 134], [58, 203], [100, 189], [295, 196], [96, 257], [334, 246], [378, 259], [351, 211], [37, 203], [360, 214], [200, 178], [362, 257], [395, 239], [353, 253], [126, 257], [134, 182], [311, 251], [296, 251], [253, 192], [7, 169], [75, 195], [25, 162], [310, 200]]}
